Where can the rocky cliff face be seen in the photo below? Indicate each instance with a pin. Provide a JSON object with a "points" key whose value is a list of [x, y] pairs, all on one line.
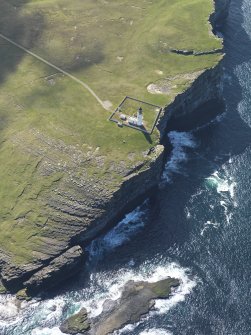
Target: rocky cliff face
{"points": [[85, 207], [220, 14], [205, 88], [81, 214]]}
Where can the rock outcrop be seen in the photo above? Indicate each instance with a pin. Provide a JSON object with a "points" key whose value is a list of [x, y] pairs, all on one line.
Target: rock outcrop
{"points": [[83, 212], [58, 270], [76, 324], [205, 88], [196, 53], [137, 299], [220, 14]]}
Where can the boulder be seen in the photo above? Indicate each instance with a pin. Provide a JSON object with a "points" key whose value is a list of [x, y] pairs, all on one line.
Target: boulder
{"points": [[76, 324]]}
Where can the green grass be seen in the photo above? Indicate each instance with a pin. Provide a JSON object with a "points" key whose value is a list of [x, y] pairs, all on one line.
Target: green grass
{"points": [[116, 47]]}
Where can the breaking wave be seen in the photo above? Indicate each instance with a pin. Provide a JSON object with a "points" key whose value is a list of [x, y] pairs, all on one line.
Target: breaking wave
{"points": [[180, 141], [120, 234], [44, 317], [155, 331], [221, 184]]}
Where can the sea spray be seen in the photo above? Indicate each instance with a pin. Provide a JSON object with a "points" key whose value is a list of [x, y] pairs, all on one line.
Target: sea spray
{"points": [[152, 331], [47, 331], [120, 234], [155, 331], [8, 308], [225, 187], [180, 141], [44, 317]]}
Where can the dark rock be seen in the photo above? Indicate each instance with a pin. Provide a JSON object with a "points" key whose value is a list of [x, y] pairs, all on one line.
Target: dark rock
{"points": [[137, 299], [196, 53], [22, 295], [57, 271], [76, 324], [3, 289], [13, 277], [53, 308], [220, 14]]}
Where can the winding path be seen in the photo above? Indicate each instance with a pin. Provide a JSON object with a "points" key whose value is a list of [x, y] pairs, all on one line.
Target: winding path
{"points": [[105, 104]]}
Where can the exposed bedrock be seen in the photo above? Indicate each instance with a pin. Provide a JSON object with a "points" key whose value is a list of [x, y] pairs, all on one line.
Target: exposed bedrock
{"points": [[220, 14], [196, 53], [76, 324], [58, 270], [83, 212], [136, 300], [206, 88]]}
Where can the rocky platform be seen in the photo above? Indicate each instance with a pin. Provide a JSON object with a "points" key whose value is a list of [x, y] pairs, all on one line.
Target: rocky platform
{"points": [[136, 300]]}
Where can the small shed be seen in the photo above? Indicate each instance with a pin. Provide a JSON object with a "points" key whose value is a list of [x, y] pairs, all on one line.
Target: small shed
{"points": [[123, 117], [133, 121]]}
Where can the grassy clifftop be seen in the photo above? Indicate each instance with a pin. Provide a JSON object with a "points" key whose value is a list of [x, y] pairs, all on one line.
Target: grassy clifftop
{"points": [[53, 134]]}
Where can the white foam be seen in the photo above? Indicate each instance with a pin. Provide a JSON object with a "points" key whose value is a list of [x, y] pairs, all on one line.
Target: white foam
{"points": [[126, 329], [153, 274], [8, 308], [185, 288], [228, 215], [180, 141], [209, 224], [120, 234], [46, 331], [222, 185], [225, 187], [155, 331], [44, 317]]}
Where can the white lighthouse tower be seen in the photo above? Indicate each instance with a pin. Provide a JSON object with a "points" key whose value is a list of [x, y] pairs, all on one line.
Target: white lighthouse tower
{"points": [[140, 117]]}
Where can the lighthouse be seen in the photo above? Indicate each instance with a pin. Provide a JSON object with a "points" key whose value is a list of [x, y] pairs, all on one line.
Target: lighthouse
{"points": [[140, 117]]}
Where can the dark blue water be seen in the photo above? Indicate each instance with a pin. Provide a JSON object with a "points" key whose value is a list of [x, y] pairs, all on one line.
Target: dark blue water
{"points": [[198, 229]]}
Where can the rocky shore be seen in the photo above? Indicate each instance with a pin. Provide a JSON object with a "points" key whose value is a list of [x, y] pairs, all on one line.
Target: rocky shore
{"points": [[84, 207], [137, 299]]}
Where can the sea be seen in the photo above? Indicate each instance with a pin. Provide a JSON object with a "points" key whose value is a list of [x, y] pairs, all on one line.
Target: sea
{"points": [[197, 229]]}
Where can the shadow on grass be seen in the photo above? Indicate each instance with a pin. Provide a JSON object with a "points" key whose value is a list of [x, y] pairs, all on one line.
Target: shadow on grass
{"points": [[25, 30], [148, 137]]}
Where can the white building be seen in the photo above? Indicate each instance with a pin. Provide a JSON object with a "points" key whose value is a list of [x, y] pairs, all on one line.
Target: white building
{"points": [[137, 121], [123, 117], [133, 120], [140, 117]]}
